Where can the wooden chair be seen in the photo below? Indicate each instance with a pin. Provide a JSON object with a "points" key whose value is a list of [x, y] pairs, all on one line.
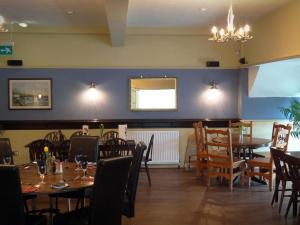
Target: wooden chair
{"points": [[133, 179], [220, 160], [281, 175], [55, 136], [148, 157], [12, 210], [36, 148], [293, 173], [109, 135], [246, 128], [115, 147], [5, 149], [264, 166], [107, 196], [77, 133], [201, 153]]}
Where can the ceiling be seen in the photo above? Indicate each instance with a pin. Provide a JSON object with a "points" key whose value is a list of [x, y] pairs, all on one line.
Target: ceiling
{"points": [[139, 13]]}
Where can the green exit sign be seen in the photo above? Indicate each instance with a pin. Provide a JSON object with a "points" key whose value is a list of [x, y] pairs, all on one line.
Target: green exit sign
{"points": [[6, 49]]}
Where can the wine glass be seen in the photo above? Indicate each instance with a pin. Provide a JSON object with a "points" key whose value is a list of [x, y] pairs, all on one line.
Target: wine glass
{"points": [[42, 170], [78, 161], [7, 159], [84, 164]]}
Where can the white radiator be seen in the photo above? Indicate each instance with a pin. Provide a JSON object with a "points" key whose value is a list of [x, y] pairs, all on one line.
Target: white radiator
{"points": [[165, 145]]}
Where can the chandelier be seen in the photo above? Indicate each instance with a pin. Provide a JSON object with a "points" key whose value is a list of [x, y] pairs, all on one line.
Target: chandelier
{"points": [[222, 35]]}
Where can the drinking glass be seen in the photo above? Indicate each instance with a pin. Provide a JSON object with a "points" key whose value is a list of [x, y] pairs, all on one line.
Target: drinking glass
{"points": [[84, 164], [78, 161], [42, 170], [7, 159]]}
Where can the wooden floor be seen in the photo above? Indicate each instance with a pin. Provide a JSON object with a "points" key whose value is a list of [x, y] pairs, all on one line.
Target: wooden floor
{"points": [[176, 197]]}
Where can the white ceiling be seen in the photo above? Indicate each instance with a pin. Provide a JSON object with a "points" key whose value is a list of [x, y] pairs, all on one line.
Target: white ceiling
{"points": [[141, 13]]}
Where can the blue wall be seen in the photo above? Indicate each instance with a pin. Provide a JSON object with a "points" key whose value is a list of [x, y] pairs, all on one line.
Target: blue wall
{"points": [[68, 84], [259, 108]]}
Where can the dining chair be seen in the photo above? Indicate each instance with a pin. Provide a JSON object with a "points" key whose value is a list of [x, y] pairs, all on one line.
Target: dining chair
{"points": [[5, 150], [148, 157], [115, 147], [55, 136], [263, 167], [109, 135], [242, 128], [293, 171], [133, 179], [11, 196], [281, 176], [220, 161], [85, 145], [107, 197], [77, 133], [201, 153], [36, 149]]}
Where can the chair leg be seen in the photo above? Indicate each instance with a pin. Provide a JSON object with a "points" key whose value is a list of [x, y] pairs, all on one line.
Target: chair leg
{"points": [[275, 194], [283, 184], [148, 173], [69, 205], [290, 203], [271, 181]]}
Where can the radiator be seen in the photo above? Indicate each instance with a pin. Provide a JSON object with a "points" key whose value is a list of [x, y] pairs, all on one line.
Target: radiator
{"points": [[165, 145]]}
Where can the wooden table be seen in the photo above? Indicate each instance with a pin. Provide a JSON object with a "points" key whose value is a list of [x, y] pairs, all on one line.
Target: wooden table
{"points": [[249, 142], [30, 178]]}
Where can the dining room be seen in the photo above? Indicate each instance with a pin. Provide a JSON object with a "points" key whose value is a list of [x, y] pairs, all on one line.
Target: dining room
{"points": [[152, 101]]}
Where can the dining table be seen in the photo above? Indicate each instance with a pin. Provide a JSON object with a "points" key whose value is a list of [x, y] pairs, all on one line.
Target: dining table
{"points": [[67, 181]]}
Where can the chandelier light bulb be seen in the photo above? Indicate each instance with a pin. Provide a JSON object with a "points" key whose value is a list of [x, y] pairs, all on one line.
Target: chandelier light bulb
{"points": [[222, 32], [241, 31], [214, 30], [247, 28]]}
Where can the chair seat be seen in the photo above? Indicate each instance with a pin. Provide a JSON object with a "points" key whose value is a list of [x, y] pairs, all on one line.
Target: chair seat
{"points": [[146, 160], [36, 220], [261, 162], [76, 217]]}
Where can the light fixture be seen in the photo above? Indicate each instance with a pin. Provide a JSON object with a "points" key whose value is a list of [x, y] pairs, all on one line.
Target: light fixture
{"points": [[222, 35], [93, 85], [213, 85], [2, 21], [23, 25]]}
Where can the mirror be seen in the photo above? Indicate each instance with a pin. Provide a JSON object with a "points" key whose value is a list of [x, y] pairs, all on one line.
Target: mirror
{"points": [[153, 94]]}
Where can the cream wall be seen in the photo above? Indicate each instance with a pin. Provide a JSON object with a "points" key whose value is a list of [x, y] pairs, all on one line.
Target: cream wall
{"points": [[78, 50], [276, 36], [261, 128]]}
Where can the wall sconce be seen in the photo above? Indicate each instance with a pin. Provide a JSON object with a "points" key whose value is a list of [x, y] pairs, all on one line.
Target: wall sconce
{"points": [[213, 85], [92, 85]]}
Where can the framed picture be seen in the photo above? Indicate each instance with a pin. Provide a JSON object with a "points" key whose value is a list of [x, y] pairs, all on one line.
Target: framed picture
{"points": [[30, 93]]}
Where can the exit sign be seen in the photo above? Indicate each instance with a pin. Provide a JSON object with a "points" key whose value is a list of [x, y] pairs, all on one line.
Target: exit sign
{"points": [[6, 49]]}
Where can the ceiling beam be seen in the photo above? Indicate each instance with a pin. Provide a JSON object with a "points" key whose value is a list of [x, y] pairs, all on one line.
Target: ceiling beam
{"points": [[116, 13]]}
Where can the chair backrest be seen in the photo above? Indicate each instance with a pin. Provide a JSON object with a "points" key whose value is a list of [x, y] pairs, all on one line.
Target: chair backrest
{"points": [[293, 170], [85, 145], [198, 131], [36, 148], [108, 192], [281, 135], [132, 183], [63, 150], [55, 136], [109, 135], [115, 147], [246, 126], [218, 144], [148, 156], [279, 161], [77, 133], [12, 212], [5, 149]]}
